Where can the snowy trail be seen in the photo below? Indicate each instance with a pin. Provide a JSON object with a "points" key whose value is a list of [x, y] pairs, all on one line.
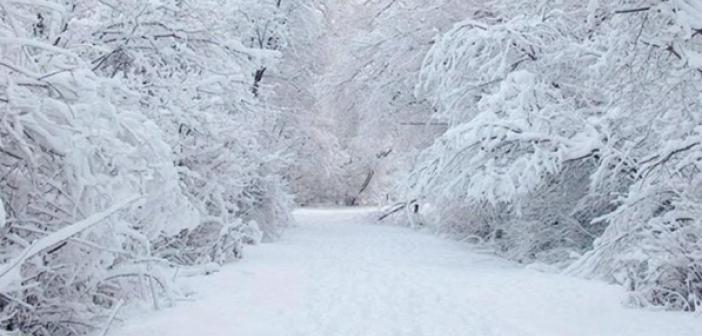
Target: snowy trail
{"points": [[335, 275]]}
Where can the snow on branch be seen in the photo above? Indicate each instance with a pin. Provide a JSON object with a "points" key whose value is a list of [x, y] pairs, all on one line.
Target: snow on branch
{"points": [[8, 274]]}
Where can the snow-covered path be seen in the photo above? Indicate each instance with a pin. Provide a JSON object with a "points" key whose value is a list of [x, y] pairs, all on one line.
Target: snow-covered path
{"points": [[335, 275]]}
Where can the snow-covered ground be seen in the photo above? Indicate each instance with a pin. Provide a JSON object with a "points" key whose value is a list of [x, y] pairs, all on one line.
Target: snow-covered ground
{"points": [[337, 274]]}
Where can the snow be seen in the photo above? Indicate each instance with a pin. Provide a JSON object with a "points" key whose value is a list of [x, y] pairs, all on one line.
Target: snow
{"points": [[340, 274]]}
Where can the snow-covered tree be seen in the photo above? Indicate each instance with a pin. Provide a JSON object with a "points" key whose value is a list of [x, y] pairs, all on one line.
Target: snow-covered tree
{"points": [[570, 129], [375, 51], [130, 143]]}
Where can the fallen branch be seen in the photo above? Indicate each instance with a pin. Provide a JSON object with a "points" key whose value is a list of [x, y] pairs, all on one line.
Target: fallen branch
{"points": [[397, 208], [393, 210]]}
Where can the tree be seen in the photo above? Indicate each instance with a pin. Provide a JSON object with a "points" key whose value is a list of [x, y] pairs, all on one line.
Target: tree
{"points": [[558, 134], [131, 145], [375, 52]]}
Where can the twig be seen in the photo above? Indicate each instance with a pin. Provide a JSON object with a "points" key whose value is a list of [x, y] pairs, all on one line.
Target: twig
{"points": [[112, 317], [632, 10], [441, 124]]}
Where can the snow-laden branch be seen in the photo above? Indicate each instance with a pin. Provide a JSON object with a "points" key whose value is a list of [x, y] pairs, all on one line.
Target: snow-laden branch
{"points": [[10, 271]]}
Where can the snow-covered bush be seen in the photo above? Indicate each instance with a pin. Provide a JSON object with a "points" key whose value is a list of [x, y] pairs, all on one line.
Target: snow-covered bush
{"points": [[511, 148], [130, 142], [652, 242], [197, 79], [573, 127]]}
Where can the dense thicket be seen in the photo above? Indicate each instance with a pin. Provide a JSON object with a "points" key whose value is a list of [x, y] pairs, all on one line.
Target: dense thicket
{"points": [[374, 51], [136, 138], [574, 139], [142, 138]]}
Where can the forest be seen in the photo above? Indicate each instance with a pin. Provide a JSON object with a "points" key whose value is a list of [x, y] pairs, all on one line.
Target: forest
{"points": [[142, 139]]}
